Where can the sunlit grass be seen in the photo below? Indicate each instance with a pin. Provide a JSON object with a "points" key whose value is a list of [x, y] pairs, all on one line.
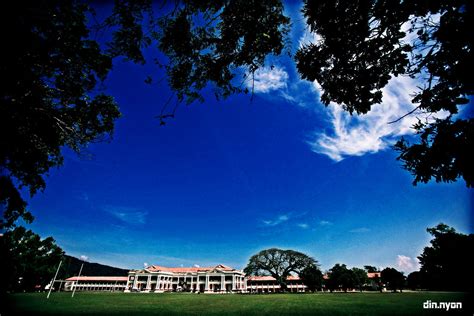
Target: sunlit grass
{"points": [[201, 304]]}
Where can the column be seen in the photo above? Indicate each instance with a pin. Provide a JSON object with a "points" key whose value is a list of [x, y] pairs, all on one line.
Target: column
{"points": [[206, 287], [148, 284], [197, 282], [135, 280], [157, 285], [223, 283], [233, 282]]}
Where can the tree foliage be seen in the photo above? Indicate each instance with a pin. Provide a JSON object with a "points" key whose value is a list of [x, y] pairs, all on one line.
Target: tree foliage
{"points": [[360, 278], [28, 260], [361, 45], [49, 100], [279, 264], [312, 277], [394, 280], [447, 263], [340, 278]]}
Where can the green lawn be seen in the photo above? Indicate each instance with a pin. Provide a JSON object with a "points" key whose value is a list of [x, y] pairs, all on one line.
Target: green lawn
{"points": [[194, 304]]}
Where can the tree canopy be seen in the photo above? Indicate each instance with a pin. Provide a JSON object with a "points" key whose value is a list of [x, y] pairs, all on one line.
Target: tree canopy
{"points": [[28, 260], [393, 279], [312, 277], [50, 99], [447, 263], [279, 264], [340, 277], [363, 44]]}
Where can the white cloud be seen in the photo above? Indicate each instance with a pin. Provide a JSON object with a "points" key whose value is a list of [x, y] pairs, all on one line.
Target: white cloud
{"points": [[84, 258], [277, 221], [360, 230], [129, 215], [303, 225], [406, 264], [197, 266], [268, 79], [145, 265], [369, 133]]}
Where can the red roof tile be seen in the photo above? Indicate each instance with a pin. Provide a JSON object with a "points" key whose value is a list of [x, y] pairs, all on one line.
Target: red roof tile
{"points": [[270, 278], [156, 268]]}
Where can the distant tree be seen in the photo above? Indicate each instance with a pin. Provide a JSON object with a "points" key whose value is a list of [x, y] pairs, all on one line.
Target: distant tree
{"points": [[312, 277], [414, 280], [393, 279], [28, 260], [279, 264], [448, 256], [370, 269], [50, 98], [360, 278], [375, 49], [340, 277]]}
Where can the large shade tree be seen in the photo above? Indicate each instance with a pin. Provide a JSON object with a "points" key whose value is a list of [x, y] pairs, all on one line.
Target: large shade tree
{"points": [[447, 257], [279, 264]]}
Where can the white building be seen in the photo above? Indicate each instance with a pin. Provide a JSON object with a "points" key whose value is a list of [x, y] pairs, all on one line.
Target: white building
{"points": [[95, 283], [157, 279]]}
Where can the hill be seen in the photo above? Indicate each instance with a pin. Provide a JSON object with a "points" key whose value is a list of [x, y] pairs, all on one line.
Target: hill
{"points": [[71, 266]]}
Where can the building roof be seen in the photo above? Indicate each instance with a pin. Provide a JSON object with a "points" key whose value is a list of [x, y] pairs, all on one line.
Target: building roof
{"points": [[97, 278], [156, 268], [372, 275], [270, 278]]}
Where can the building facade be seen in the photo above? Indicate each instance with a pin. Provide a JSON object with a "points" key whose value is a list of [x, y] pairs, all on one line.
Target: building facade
{"points": [[157, 279], [268, 284], [95, 283]]}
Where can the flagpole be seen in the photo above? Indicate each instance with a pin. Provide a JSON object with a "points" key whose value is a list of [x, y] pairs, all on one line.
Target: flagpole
{"points": [[77, 280], [54, 279]]}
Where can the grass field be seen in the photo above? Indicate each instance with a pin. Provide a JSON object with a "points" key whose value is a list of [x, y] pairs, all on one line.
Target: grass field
{"points": [[194, 304]]}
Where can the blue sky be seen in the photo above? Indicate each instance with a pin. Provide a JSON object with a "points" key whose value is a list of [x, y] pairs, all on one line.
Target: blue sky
{"points": [[226, 179]]}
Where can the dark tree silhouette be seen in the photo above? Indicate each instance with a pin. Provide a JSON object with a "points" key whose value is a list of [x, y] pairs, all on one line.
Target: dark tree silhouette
{"points": [[360, 278], [312, 277], [361, 46], [28, 260], [370, 269], [446, 259], [279, 264], [340, 277], [393, 279], [49, 99]]}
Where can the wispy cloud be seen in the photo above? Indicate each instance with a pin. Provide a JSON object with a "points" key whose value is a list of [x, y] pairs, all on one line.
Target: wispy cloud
{"points": [[325, 223], [369, 133], [303, 225], [406, 264], [276, 221], [129, 215], [267, 79], [360, 230]]}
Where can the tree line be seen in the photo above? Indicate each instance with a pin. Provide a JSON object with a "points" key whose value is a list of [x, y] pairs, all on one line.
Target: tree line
{"points": [[440, 266], [33, 260]]}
